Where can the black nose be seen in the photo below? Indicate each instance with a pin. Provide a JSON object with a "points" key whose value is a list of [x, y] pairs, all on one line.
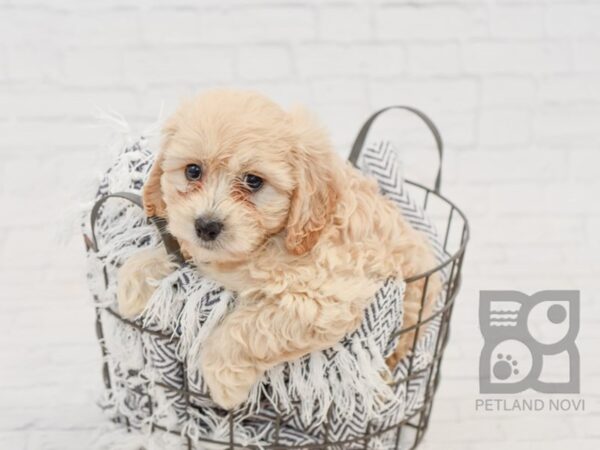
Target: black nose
{"points": [[208, 229]]}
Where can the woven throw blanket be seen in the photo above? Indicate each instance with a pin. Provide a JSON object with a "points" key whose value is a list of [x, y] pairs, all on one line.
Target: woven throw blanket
{"points": [[154, 374]]}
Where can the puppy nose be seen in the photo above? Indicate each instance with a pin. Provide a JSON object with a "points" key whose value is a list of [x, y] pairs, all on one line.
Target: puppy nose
{"points": [[208, 229]]}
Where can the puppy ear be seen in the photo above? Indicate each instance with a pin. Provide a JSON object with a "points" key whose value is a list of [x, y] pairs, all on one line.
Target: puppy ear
{"points": [[154, 204], [152, 197], [314, 197]]}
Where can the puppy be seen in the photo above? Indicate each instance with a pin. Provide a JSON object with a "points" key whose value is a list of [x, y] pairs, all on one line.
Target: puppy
{"points": [[261, 203]]}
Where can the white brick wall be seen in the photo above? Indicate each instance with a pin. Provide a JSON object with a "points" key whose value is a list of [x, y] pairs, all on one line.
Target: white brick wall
{"points": [[513, 85]]}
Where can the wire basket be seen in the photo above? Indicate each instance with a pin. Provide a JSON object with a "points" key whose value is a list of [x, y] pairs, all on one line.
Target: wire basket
{"points": [[406, 433]]}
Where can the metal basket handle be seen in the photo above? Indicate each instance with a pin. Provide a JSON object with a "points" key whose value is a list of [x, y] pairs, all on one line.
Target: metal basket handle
{"points": [[170, 243], [362, 136]]}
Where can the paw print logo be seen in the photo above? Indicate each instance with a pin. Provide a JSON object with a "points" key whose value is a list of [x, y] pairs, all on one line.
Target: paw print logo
{"points": [[505, 367], [523, 335]]}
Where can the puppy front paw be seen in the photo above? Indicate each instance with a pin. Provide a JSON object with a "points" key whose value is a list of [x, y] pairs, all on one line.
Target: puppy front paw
{"points": [[134, 279], [133, 294], [229, 381]]}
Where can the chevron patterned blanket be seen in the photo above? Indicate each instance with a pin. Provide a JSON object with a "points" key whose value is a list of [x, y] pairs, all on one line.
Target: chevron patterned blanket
{"points": [[154, 375]]}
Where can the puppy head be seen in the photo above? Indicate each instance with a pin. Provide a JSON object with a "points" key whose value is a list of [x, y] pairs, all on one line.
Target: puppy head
{"points": [[234, 170]]}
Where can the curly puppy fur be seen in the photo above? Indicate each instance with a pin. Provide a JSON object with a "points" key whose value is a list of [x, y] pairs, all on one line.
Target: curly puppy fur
{"points": [[305, 252]]}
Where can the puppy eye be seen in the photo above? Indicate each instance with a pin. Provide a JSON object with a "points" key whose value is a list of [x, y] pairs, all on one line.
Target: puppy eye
{"points": [[254, 182], [193, 172]]}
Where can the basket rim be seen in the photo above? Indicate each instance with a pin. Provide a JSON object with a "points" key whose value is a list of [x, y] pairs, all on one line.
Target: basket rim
{"points": [[93, 245]]}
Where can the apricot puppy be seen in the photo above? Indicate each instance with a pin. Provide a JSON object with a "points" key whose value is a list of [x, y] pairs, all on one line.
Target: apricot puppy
{"points": [[260, 202]]}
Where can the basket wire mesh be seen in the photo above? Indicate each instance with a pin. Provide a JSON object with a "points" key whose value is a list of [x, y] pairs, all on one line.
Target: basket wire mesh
{"points": [[408, 432]]}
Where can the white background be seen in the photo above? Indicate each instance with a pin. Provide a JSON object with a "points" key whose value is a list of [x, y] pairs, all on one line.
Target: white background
{"points": [[513, 85]]}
